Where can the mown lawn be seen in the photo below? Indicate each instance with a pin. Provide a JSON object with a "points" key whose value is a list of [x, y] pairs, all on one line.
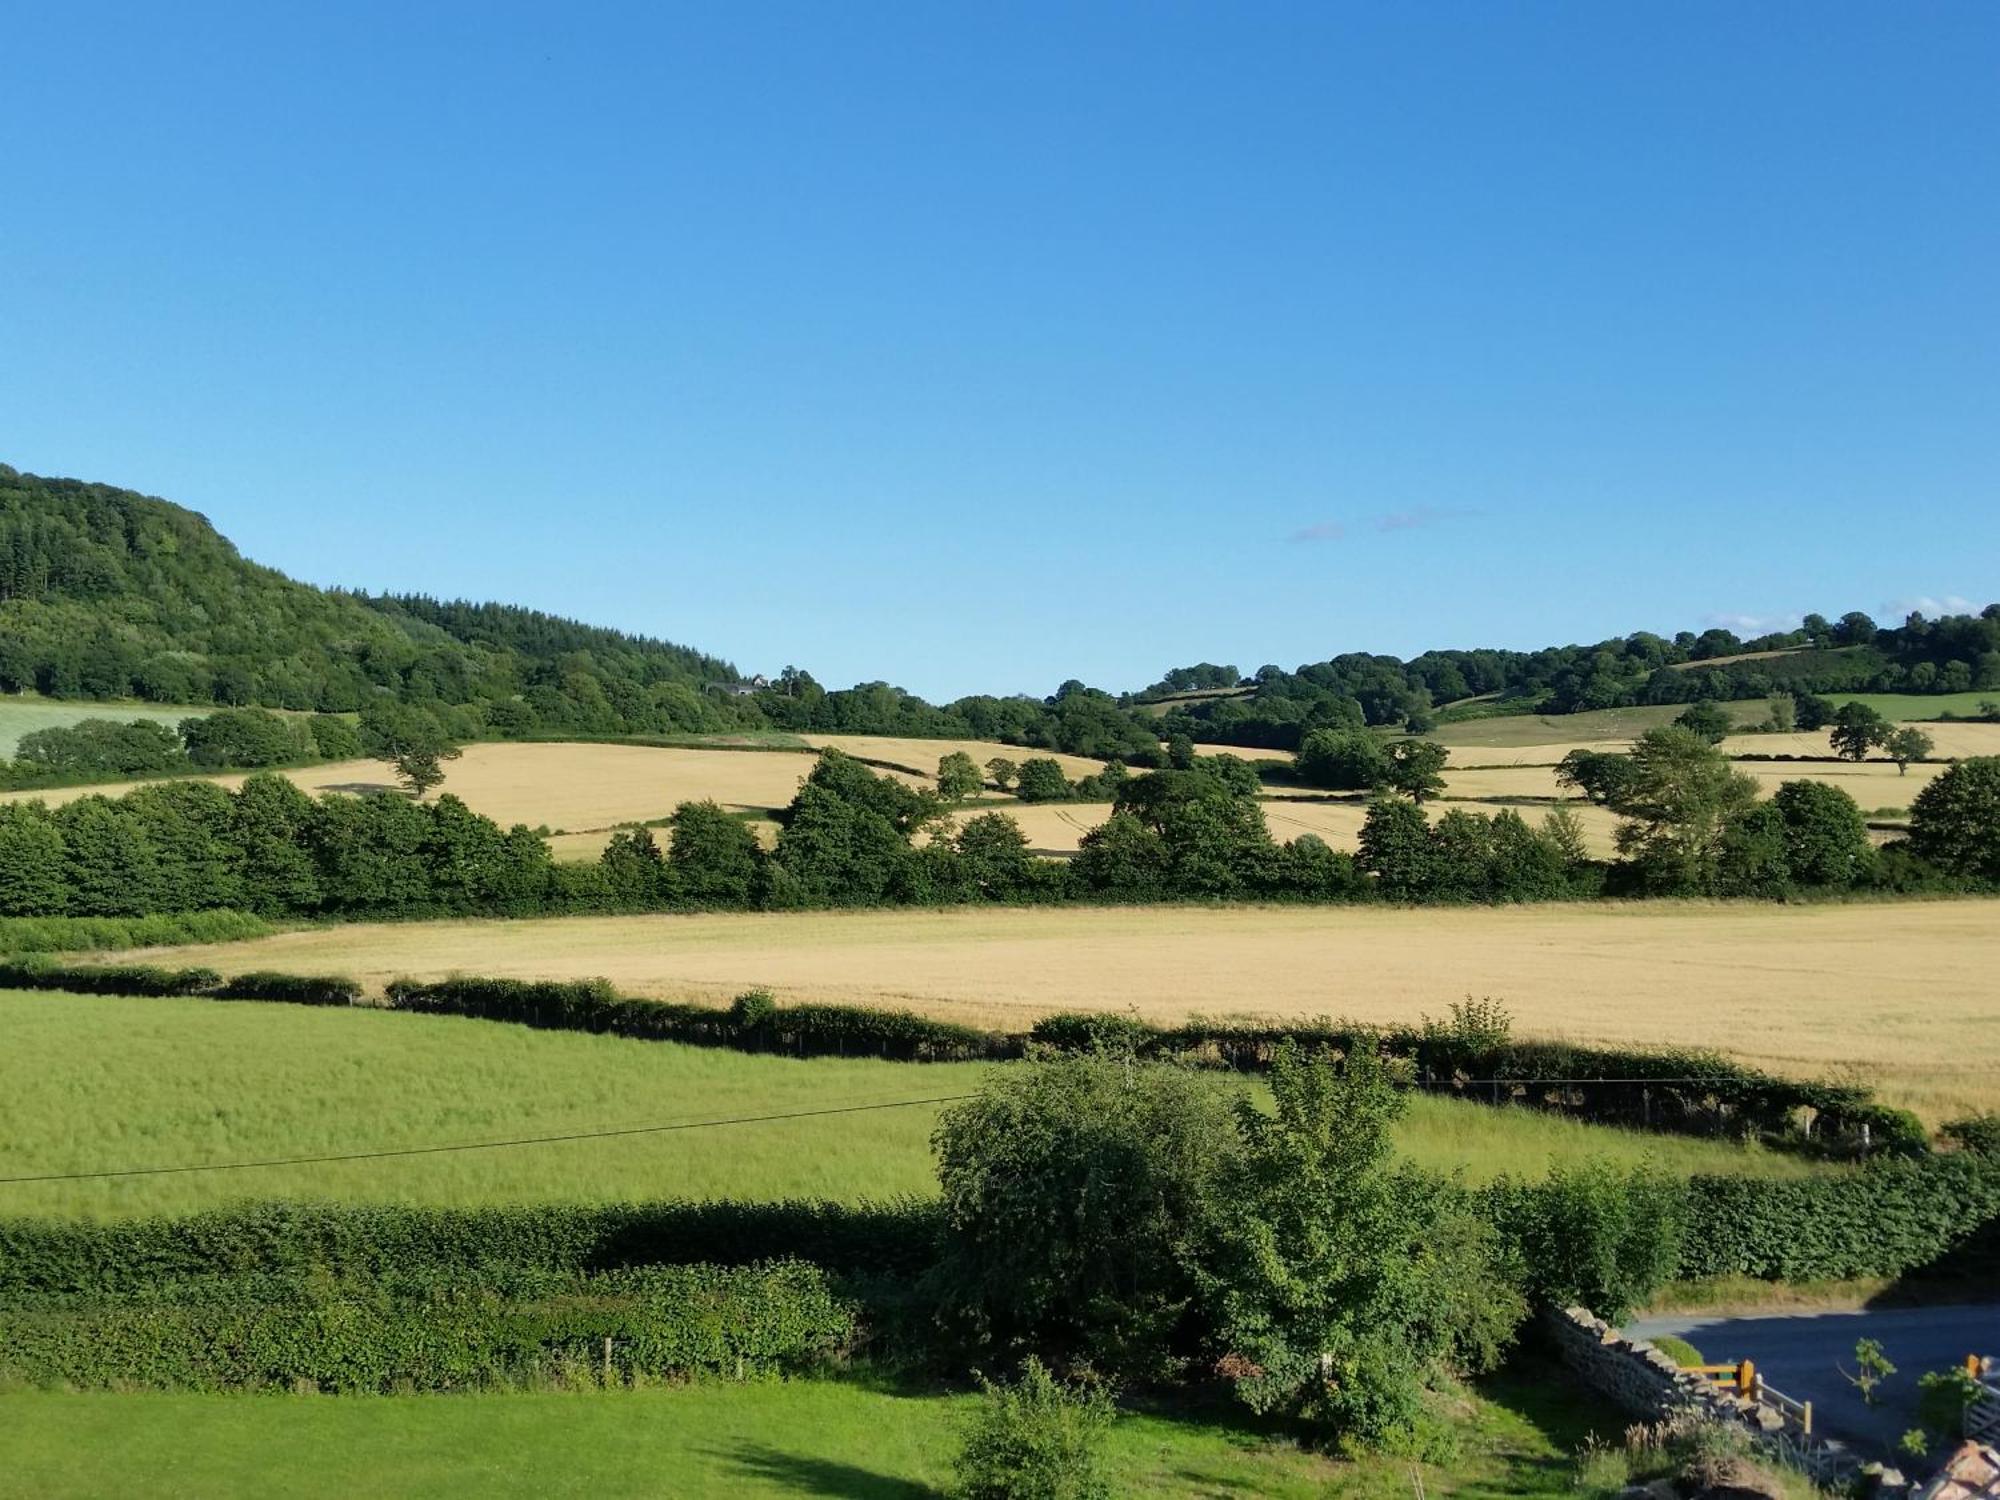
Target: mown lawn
{"points": [[89, 1083], [760, 1439]]}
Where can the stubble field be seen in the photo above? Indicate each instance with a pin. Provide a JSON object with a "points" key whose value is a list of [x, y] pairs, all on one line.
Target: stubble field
{"points": [[1903, 994]]}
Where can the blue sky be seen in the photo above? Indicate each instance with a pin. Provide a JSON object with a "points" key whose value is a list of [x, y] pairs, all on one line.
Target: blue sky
{"points": [[977, 347]]}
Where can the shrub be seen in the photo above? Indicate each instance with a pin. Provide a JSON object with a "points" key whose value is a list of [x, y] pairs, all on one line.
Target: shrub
{"points": [[1595, 1236], [1974, 1133], [296, 989], [1075, 1196], [1034, 1439]]}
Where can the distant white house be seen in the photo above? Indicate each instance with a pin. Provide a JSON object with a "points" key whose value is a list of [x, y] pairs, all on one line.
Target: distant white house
{"points": [[745, 688]]}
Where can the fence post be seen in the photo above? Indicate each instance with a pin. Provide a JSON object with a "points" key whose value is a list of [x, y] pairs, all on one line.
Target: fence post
{"points": [[1746, 1378], [607, 1361]]}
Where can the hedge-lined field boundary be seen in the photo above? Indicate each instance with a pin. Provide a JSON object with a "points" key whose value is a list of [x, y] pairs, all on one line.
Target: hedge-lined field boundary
{"points": [[103, 934], [1886, 1219], [1671, 1090], [438, 1331]]}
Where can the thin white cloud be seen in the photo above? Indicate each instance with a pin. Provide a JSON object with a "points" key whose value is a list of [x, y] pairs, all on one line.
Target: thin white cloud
{"points": [[1749, 624], [1320, 531], [1930, 606], [1420, 517], [1414, 519]]}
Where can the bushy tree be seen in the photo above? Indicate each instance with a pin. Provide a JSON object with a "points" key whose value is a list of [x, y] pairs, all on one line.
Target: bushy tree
{"points": [[1596, 1235], [1811, 711], [1857, 729], [33, 876], [841, 853], [110, 866], [272, 826], [714, 858], [1681, 800], [334, 737], [1396, 849], [1825, 838], [635, 868], [1003, 772], [1041, 779], [995, 855], [1342, 760], [1955, 821], [1034, 1439], [958, 777], [248, 737], [1904, 744], [190, 826], [1707, 719], [1214, 841], [97, 748], [1122, 857], [410, 739], [1077, 1194], [1341, 1282], [1601, 775]]}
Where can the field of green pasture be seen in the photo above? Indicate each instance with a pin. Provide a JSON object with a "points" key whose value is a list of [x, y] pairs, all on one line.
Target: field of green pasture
{"points": [[22, 713], [90, 1083], [1512, 730], [763, 1438], [1919, 707]]}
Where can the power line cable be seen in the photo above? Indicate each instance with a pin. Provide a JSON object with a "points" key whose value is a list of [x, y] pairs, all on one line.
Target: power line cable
{"points": [[539, 1140]]}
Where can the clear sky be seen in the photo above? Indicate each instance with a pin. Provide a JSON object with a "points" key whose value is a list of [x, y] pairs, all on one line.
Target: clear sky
{"points": [[976, 346]]}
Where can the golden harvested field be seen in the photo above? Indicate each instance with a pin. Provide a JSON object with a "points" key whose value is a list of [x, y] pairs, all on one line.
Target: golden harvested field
{"points": [[922, 756], [1902, 994], [1951, 740], [1059, 827], [1469, 757], [584, 848], [1873, 784], [572, 786], [1051, 827]]}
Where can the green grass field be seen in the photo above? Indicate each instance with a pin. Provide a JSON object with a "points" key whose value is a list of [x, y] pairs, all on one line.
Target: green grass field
{"points": [[756, 1440], [24, 713], [1511, 730], [90, 1082], [1921, 706]]}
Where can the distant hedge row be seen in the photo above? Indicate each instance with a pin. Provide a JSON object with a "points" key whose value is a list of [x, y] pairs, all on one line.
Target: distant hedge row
{"points": [[754, 1023], [102, 934], [437, 1332], [1670, 1089]]}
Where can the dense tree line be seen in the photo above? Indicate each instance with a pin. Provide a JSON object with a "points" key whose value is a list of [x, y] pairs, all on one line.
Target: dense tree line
{"points": [[1957, 653], [230, 738], [1693, 825]]}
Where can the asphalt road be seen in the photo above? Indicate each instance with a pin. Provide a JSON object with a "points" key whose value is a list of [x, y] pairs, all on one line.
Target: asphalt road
{"points": [[1803, 1354]]}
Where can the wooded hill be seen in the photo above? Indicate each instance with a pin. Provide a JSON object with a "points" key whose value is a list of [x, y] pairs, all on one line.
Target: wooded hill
{"points": [[106, 594]]}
